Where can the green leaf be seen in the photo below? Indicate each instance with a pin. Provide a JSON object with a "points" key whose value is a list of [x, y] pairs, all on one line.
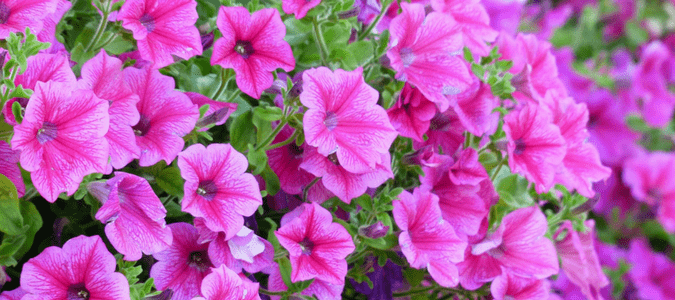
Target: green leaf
{"points": [[170, 180], [11, 221], [384, 243], [362, 52], [10, 245], [414, 276], [17, 111], [297, 31], [242, 131], [272, 185], [268, 113], [257, 159], [32, 218], [512, 189]]}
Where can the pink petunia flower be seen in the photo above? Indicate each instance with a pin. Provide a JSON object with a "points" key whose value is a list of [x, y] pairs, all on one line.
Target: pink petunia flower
{"points": [[445, 132], [62, 138], [651, 273], [285, 162], [343, 118], [317, 246], [341, 182], [504, 14], [321, 289], [15, 15], [217, 113], [473, 20], [412, 113], [423, 53], [474, 108], [82, 269], [217, 187], [133, 215], [183, 266], [299, 7], [162, 28], [579, 259], [9, 167], [511, 287], [103, 75], [426, 239], [253, 45], [15, 294], [40, 68], [223, 284], [649, 85], [47, 34], [166, 115], [535, 146]]}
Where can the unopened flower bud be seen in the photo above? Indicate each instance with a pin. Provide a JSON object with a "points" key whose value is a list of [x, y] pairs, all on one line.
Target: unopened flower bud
{"points": [[374, 231]]}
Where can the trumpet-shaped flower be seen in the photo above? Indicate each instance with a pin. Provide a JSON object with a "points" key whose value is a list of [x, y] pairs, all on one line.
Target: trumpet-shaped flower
{"points": [[511, 287], [62, 138], [253, 45], [317, 246], [162, 28], [223, 284], [15, 15], [343, 118], [217, 187], [166, 115], [82, 269], [412, 113], [285, 162], [652, 273]]}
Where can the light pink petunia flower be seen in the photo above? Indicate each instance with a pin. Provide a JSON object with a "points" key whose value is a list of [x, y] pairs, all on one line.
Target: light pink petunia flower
{"points": [[426, 239], [133, 215], [62, 138], [511, 287], [16, 15], [166, 115], [183, 266], [473, 20], [82, 269], [474, 108], [217, 187], [412, 113], [103, 75], [317, 246], [343, 118], [253, 45], [9, 167], [423, 53], [223, 284], [163, 28], [535, 146]]}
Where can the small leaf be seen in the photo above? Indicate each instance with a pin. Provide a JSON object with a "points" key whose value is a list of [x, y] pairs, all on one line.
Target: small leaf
{"points": [[11, 221], [170, 180]]}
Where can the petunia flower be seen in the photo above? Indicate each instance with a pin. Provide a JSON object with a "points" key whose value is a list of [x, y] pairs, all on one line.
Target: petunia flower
{"points": [[223, 284], [103, 75], [15, 16], [343, 118], [426, 239], [285, 162], [253, 45], [9, 167], [511, 287], [650, 87], [217, 113], [535, 145], [82, 269], [445, 132], [47, 34], [412, 113], [652, 273], [474, 108], [422, 52], [183, 266], [62, 138], [15, 294], [217, 187], [317, 246], [504, 15], [473, 20], [298, 7], [162, 28], [166, 115], [134, 216], [321, 289]]}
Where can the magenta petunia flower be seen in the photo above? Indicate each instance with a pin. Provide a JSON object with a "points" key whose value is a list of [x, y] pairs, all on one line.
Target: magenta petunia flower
{"points": [[253, 45], [535, 146], [217, 187], [473, 20], [650, 86], [298, 7], [445, 132], [423, 53], [223, 284], [183, 266], [163, 28], [343, 118], [321, 289], [652, 273], [412, 113], [82, 269], [40, 68], [474, 108], [47, 34], [103, 75], [285, 162], [9, 167], [317, 246], [579, 259], [15, 15], [62, 138], [217, 113], [166, 115], [341, 182], [504, 15], [134, 216], [511, 287], [426, 239], [16, 294]]}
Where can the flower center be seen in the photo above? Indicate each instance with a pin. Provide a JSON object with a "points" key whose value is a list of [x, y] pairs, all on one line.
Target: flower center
{"points": [[148, 22], [4, 13], [47, 133], [199, 260], [77, 292], [520, 147], [207, 189], [407, 57], [244, 48], [307, 246], [295, 150], [334, 159], [440, 122], [331, 120], [143, 126]]}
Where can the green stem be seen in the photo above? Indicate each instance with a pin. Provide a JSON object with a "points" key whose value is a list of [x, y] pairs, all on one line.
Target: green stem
{"points": [[321, 43], [224, 77], [372, 25], [499, 167], [284, 143], [12, 77], [100, 29], [274, 133], [270, 293], [414, 291], [357, 257], [309, 186]]}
